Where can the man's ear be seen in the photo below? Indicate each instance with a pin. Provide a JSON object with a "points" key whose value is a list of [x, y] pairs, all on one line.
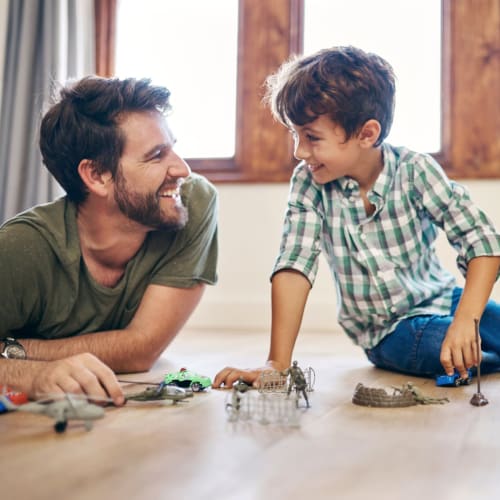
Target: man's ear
{"points": [[369, 133], [96, 182]]}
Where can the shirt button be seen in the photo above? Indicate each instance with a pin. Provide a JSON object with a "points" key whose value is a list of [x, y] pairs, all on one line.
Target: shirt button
{"points": [[363, 236], [393, 309], [352, 199]]}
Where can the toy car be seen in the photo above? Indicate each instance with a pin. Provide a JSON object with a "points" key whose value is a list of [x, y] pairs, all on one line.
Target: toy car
{"points": [[185, 378], [453, 380]]}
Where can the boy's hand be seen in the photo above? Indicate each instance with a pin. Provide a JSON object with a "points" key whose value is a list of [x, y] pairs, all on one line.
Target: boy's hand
{"points": [[459, 349], [229, 375]]}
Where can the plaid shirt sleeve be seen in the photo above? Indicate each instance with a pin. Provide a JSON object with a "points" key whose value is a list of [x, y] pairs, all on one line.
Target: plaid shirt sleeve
{"points": [[449, 206], [301, 238]]}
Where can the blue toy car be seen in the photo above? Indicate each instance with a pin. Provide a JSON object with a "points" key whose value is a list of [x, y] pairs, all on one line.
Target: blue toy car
{"points": [[453, 380]]}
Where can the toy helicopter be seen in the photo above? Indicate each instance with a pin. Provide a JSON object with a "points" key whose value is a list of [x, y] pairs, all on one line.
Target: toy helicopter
{"points": [[159, 392], [67, 407]]}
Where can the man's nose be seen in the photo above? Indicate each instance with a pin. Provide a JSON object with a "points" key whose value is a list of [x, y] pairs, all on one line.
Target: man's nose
{"points": [[177, 167]]}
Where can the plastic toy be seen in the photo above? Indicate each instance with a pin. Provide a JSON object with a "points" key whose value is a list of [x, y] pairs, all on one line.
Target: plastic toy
{"points": [[273, 381], [246, 405], [453, 380], [160, 392], [407, 395], [68, 407], [18, 398], [234, 407], [187, 379], [297, 381]]}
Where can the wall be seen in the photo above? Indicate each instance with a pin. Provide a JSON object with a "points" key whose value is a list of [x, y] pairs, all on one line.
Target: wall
{"points": [[250, 226]]}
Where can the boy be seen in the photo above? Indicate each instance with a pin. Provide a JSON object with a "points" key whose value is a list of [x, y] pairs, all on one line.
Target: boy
{"points": [[374, 210]]}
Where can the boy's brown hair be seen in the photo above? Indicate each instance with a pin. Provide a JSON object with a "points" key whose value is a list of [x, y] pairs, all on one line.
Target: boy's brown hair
{"points": [[345, 83]]}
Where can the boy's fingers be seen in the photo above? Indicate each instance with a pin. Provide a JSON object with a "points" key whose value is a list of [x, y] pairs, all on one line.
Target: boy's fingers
{"points": [[446, 361]]}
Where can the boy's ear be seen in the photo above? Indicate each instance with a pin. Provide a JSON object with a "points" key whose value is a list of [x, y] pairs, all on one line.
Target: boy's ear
{"points": [[96, 182], [369, 133]]}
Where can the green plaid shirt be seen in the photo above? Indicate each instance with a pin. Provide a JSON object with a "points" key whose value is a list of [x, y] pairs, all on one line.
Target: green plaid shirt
{"points": [[384, 265]]}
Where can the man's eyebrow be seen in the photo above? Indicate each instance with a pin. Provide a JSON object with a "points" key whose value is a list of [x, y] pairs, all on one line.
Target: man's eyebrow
{"points": [[157, 149]]}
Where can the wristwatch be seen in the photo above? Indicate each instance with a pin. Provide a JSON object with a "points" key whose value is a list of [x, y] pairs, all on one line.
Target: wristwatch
{"points": [[12, 349]]}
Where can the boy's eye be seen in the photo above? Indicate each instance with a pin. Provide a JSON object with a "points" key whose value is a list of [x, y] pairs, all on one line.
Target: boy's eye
{"points": [[312, 138]]}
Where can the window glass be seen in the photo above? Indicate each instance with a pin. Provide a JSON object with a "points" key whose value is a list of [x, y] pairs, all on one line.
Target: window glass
{"points": [[189, 46], [405, 33]]}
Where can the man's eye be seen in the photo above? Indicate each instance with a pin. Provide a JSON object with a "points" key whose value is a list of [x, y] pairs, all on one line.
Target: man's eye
{"points": [[158, 155]]}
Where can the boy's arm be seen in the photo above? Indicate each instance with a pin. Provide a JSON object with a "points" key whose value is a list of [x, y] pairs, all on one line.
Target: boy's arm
{"points": [[290, 290], [459, 346]]}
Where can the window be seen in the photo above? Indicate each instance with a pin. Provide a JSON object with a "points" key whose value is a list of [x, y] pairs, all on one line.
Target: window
{"points": [[268, 32], [199, 71], [412, 48]]}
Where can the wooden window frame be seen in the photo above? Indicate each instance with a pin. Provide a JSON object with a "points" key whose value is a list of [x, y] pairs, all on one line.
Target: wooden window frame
{"points": [[269, 31]]}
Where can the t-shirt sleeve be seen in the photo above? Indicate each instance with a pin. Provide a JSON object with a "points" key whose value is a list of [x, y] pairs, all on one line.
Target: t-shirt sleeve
{"points": [[23, 258]]}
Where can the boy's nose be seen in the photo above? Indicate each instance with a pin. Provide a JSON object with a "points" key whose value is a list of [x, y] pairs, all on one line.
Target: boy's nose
{"points": [[300, 152]]}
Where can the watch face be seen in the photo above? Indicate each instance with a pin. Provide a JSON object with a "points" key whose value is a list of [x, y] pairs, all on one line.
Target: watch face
{"points": [[14, 351]]}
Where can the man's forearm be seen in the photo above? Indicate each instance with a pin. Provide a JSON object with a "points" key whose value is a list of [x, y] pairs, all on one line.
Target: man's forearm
{"points": [[122, 350]]}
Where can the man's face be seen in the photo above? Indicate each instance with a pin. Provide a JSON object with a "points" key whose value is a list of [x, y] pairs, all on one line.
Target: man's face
{"points": [[150, 174]]}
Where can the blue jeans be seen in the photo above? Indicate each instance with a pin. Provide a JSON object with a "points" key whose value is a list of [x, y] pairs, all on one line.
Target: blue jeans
{"points": [[414, 346]]}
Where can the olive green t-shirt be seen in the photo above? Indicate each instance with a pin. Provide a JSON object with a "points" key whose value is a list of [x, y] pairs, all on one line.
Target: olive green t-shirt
{"points": [[47, 292]]}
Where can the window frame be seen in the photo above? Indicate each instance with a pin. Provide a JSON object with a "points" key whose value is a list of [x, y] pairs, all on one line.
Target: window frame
{"points": [[269, 32]]}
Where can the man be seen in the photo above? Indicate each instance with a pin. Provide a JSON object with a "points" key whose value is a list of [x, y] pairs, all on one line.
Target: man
{"points": [[102, 280]]}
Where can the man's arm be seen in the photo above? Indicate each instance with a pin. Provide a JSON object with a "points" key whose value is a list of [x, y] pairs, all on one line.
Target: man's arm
{"points": [[290, 290], [79, 374], [459, 346], [161, 314]]}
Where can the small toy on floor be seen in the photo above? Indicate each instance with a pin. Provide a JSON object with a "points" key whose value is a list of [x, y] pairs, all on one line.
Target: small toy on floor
{"points": [[406, 395], [478, 398], [453, 380]]}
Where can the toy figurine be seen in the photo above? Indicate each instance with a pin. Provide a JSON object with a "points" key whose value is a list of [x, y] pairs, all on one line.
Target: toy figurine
{"points": [[297, 381], [239, 388]]}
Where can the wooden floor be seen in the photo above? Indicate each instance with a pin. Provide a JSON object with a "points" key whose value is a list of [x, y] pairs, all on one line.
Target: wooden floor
{"points": [[191, 450]]}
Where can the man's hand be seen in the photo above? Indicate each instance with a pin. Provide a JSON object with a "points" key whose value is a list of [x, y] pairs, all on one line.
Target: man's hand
{"points": [[78, 374], [459, 349]]}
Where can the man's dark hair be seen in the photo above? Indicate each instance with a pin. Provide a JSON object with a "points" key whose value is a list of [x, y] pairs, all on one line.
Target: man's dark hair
{"points": [[345, 83], [84, 124]]}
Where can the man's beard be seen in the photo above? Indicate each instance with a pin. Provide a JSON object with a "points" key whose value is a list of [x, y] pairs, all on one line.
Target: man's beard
{"points": [[146, 210]]}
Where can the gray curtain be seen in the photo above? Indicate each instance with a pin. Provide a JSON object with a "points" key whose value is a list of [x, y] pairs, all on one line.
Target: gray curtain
{"points": [[47, 42]]}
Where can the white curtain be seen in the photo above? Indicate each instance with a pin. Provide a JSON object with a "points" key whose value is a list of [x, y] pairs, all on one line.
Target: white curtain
{"points": [[43, 43]]}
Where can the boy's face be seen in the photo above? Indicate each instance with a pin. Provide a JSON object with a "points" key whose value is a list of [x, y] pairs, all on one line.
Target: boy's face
{"points": [[322, 145]]}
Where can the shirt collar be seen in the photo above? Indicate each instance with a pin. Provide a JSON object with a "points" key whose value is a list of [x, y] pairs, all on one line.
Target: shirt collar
{"points": [[385, 179]]}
